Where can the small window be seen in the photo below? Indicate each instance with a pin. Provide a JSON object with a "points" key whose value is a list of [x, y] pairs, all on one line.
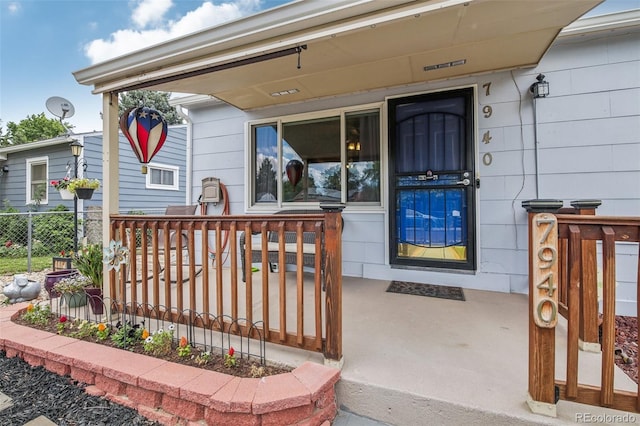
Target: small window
{"points": [[160, 176], [37, 179]]}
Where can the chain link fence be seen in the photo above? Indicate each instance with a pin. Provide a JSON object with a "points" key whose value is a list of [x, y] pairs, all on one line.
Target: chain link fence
{"points": [[25, 237], [29, 241]]}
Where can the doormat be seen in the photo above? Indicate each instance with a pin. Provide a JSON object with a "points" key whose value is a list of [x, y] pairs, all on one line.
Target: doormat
{"points": [[429, 290]]}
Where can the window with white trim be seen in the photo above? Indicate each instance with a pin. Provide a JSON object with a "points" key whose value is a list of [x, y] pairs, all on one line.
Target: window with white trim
{"points": [[330, 156], [162, 176], [37, 180]]}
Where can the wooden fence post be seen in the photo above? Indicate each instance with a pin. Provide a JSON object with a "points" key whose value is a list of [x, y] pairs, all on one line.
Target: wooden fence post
{"points": [[333, 282], [589, 335], [542, 393]]}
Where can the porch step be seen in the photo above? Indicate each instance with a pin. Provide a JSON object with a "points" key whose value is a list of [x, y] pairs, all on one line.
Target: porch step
{"points": [[363, 404]]}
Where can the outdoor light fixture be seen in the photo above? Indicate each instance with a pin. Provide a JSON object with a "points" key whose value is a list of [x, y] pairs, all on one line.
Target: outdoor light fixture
{"points": [[5, 169], [76, 148], [540, 88]]}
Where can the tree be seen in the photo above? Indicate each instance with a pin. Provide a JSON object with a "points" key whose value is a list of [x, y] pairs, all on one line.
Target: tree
{"points": [[266, 180], [152, 99], [33, 128]]}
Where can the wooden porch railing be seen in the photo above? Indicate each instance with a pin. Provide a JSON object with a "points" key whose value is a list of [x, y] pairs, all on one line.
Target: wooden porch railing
{"points": [[203, 276], [568, 295]]}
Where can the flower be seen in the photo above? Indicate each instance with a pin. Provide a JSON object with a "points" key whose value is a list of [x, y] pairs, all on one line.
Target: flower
{"points": [[230, 358], [103, 331], [183, 348], [83, 183], [60, 325], [145, 334], [61, 184], [30, 308], [72, 284]]}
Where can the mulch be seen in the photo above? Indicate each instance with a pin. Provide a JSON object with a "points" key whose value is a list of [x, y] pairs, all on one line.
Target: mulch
{"points": [[243, 368], [627, 344], [37, 392]]}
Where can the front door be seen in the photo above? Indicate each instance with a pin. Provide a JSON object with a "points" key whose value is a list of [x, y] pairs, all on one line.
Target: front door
{"points": [[432, 180]]}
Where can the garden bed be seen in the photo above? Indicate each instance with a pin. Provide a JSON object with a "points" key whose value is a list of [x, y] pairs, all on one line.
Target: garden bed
{"points": [[172, 393]]}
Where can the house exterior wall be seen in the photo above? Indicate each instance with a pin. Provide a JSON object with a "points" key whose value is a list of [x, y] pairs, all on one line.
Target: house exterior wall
{"points": [[134, 195], [588, 143], [13, 185], [133, 192]]}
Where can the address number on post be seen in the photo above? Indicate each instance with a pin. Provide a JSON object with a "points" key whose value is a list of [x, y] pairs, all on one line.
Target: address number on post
{"points": [[544, 249]]}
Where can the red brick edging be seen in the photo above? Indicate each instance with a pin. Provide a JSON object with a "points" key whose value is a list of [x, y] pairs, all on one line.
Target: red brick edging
{"points": [[175, 394]]}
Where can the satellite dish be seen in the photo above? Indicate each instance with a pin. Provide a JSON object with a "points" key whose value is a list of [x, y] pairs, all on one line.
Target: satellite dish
{"points": [[60, 107]]}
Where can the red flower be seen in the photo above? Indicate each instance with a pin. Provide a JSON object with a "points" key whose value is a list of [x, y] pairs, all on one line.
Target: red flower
{"points": [[231, 351], [9, 243], [183, 342], [63, 318]]}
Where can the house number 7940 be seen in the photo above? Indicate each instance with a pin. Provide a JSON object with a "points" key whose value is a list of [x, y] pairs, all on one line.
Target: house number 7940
{"points": [[544, 247]]}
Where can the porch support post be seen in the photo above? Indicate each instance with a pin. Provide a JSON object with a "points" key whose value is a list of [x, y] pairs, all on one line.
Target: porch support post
{"points": [[589, 336], [333, 282], [542, 345], [110, 179]]}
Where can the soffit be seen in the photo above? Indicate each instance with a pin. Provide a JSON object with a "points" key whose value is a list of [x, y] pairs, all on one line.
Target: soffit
{"points": [[350, 56]]}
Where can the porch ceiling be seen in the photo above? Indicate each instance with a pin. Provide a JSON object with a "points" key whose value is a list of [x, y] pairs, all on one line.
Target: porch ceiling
{"points": [[375, 49]]}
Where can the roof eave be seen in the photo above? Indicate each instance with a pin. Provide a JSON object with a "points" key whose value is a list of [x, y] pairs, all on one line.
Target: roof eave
{"points": [[295, 16]]}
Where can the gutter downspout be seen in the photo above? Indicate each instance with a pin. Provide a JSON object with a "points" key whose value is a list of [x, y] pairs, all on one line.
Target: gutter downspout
{"points": [[189, 170]]}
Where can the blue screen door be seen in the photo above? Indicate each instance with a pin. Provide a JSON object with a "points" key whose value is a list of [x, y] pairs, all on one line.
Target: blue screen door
{"points": [[432, 180]]}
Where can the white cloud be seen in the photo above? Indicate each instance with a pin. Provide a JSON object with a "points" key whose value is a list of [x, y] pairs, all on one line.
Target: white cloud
{"points": [[13, 7], [128, 40], [150, 12]]}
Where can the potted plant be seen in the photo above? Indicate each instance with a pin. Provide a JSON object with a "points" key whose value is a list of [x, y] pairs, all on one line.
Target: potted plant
{"points": [[62, 186], [72, 290], [83, 187], [88, 261]]}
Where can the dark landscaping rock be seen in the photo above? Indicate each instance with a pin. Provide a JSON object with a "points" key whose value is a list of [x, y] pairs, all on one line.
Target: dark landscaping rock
{"points": [[38, 392]]}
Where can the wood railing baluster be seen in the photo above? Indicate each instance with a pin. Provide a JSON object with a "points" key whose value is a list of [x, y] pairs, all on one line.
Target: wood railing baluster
{"points": [[205, 270], [144, 256], [283, 282], [300, 281], [573, 302], [265, 277], [609, 313]]}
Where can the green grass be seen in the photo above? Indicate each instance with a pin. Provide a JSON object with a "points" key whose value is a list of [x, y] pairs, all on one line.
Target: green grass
{"points": [[9, 266]]}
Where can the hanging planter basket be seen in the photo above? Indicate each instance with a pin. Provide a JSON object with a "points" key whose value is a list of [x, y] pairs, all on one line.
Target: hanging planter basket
{"points": [[65, 194], [84, 193]]}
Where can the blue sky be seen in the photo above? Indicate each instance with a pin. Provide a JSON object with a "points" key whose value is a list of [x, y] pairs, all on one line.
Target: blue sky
{"points": [[43, 41]]}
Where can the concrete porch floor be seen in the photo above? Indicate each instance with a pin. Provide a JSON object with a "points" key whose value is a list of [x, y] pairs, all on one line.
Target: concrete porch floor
{"points": [[415, 360]]}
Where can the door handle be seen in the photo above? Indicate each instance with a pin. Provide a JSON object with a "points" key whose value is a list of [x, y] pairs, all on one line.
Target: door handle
{"points": [[465, 182]]}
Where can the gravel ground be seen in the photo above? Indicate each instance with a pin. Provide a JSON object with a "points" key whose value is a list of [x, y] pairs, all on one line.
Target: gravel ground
{"points": [[37, 392]]}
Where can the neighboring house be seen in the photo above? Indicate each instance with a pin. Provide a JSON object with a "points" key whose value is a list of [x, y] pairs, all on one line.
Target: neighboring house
{"points": [[417, 115], [32, 166]]}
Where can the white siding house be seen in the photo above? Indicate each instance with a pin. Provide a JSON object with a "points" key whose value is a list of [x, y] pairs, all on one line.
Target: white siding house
{"points": [[455, 141]]}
